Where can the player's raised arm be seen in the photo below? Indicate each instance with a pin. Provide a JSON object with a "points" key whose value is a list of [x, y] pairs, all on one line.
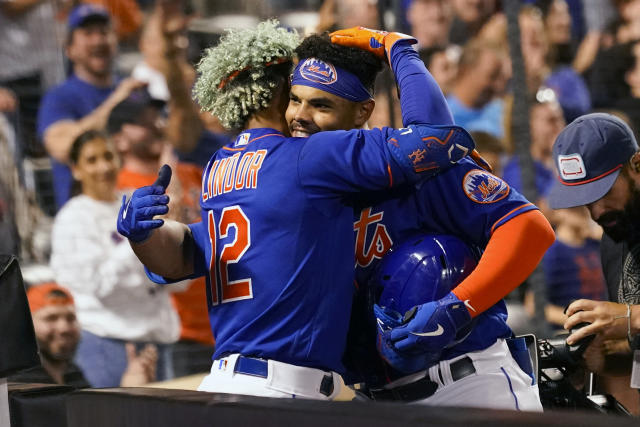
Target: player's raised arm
{"points": [[335, 163]]}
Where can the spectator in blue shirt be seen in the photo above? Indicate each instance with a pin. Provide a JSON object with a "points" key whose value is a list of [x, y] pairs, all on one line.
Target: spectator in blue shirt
{"points": [[85, 99]]}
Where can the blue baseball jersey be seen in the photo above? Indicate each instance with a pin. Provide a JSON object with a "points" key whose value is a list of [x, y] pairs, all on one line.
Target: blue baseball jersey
{"points": [[276, 240], [465, 201], [71, 100], [574, 272]]}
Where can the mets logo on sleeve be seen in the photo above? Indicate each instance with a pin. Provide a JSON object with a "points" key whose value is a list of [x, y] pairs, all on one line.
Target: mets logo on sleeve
{"points": [[318, 71], [483, 187]]}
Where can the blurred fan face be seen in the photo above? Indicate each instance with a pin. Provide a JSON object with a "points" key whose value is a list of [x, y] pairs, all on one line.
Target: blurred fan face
{"points": [[97, 169], [352, 13], [546, 123], [92, 48], [577, 217], [57, 331], [487, 74], [145, 139], [473, 10], [533, 42], [443, 70], [312, 110], [430, 22], [558, 23]]}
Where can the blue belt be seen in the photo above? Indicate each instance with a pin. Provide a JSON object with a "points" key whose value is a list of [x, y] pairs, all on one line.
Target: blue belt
{"points": [[260, 368], [252, 366]]}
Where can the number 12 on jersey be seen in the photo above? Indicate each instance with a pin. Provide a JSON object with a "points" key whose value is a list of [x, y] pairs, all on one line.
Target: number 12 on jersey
{"points": [[222, 288]]}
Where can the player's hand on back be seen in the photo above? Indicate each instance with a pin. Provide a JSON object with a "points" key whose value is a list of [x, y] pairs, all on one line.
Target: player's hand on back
{"points": [[136, 217], [377, 42], [405, 362], [425, 330], [432, 326]]}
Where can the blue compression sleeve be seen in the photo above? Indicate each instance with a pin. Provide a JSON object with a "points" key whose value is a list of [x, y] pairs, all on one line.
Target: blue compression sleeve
{"points": [[421, 99]]}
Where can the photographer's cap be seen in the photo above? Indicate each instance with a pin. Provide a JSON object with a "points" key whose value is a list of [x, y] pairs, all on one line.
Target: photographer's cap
{"points": [[589, 154]]}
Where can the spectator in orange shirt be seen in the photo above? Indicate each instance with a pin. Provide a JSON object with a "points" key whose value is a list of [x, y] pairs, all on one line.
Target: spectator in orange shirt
{"points": [[137, 128]]}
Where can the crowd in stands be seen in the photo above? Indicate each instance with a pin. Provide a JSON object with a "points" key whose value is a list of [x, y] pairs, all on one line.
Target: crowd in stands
{"points": [[99, 91]]}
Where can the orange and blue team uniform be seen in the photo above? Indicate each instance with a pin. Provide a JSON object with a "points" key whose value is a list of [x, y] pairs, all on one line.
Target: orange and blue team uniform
{"points": [[276, 238], [466, 201], [276, 242]]}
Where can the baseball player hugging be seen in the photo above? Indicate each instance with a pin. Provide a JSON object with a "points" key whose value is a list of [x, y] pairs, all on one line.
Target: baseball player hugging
{"points": [[433, 260]]}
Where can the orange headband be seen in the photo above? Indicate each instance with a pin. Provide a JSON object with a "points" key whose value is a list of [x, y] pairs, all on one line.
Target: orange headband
{"points": [[47, 294]]}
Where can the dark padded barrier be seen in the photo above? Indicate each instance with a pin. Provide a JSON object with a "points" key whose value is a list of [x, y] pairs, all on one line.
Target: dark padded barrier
{"points": [[135, 407], [38, 405], [18, 349]]}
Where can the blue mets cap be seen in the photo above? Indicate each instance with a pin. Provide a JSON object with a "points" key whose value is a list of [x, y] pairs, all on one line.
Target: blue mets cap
{"points": [[589, 154], [83, 13]]}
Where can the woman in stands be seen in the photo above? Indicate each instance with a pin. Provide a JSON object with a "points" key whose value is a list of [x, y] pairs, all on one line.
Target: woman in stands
{"points": [[115, 301]]}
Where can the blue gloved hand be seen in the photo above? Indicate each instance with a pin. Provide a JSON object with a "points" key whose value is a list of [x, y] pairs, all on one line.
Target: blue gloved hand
{"points": [[135, 220], [406, 362], [433, 326]]}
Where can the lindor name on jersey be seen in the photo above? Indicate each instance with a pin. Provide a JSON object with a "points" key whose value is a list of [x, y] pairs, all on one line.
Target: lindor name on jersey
{"points": [[236, 172]]}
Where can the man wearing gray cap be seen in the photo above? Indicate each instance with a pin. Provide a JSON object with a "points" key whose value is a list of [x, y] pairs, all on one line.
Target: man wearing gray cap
{"points": [[598, 165]]}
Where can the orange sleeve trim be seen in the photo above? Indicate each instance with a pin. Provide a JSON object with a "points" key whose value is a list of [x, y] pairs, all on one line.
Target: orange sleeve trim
{"points": [[250, 141], [495, 224], [264, 136], [513, 252], [390, 175]]}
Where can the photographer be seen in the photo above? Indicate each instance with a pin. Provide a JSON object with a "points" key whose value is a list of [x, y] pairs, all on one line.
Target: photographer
{"points": [[598, 166]]}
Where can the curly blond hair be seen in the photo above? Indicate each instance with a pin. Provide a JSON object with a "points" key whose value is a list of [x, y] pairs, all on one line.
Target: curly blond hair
{"points": [[235, 78]]}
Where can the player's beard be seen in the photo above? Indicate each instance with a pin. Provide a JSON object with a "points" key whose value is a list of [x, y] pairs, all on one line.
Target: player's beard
{"points": [[625, 228]]}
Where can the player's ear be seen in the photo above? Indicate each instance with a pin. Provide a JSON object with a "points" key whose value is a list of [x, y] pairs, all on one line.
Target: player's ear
{"points": [[364, 111]]}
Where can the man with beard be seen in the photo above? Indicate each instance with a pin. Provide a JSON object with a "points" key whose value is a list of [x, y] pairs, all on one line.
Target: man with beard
{"points": [[513, 232], [598, 165], [58, 333], [85, 99]]}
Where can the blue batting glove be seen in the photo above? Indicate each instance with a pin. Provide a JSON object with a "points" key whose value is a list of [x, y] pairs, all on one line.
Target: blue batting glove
{"points": [[387, 319], [433, 326], [135, 220]]}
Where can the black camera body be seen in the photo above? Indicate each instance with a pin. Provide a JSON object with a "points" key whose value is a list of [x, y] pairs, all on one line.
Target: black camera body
{"points": [[557, 361]]}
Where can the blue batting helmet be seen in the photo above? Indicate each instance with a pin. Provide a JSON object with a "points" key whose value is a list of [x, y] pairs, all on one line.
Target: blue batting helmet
{"points": [[421, 269]]}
